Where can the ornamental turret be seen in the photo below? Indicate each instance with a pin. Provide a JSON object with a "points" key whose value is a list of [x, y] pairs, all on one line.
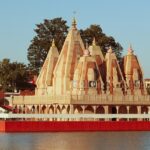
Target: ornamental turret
{"points": [[87, 78], [71, 51], [44, 80], [115, 82], [96, 52], [133, 73]]}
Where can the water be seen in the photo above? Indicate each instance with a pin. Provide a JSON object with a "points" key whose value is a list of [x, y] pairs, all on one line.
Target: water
{"points": [[76, 141]]}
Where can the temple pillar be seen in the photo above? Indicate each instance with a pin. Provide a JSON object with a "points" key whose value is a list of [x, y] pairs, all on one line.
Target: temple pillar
{"points": [[117, 112], [71, 110], [139, 112], [106, 112], [128, 108], [149, 112], [83, 111], [139, 109], [83, 108]]}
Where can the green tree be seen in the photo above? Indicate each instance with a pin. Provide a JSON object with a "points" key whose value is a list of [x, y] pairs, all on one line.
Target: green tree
{"points": [[45, 33], [57, 29], [12, 74], [104, 41]]}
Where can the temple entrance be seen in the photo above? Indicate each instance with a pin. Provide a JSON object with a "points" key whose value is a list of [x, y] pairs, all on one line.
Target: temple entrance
{"points": [[113, 110]]}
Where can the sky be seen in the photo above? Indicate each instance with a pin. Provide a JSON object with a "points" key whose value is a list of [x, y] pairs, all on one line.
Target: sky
{"points": [[128, 21]]}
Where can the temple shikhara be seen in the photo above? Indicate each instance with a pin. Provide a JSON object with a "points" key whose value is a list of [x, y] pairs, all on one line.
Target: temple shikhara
{"points": [[81, 80]]}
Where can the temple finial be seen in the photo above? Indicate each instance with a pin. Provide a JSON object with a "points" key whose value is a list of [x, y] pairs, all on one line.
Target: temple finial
{"points": [[110, 49], [86, 45], [94, 42], [74, 22], [86, 51], [130, 50], [53, 43]]}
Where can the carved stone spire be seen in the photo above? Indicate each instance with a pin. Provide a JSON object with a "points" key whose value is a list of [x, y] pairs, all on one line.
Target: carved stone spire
{"points": [[114, 76], [44, 79], [72, 49], [133, 73]]}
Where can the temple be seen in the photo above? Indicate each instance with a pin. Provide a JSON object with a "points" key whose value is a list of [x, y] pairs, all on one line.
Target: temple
{"points": [[80, 80]]}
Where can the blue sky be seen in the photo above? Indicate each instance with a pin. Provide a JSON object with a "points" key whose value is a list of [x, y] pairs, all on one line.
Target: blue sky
{"points": [[128, 21]]}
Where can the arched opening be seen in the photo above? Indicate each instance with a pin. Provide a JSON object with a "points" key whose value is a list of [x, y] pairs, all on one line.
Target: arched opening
{"points": [[33, 109], [144, 110], [100, 110], [20, 109], [122, 110], [112, 110], [89, 110], [133, 110], [38, 109], [64, 110], [51, 110], [27, 110], [78, 110], [43, 109], [58, 110], [68, 109], [23, 109], [15, 110]]}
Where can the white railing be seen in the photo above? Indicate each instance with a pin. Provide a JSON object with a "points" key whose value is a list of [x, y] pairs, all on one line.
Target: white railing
{"points": [[75, 116]]}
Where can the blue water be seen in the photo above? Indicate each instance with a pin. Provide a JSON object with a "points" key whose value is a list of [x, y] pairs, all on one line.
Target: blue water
{"points": [[76, 141]]}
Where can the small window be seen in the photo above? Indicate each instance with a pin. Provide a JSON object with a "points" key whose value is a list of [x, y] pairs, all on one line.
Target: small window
{"points": [[137, 83], [118, 85], [82, 84], [92, 84], [148, 85], [74, 84]]}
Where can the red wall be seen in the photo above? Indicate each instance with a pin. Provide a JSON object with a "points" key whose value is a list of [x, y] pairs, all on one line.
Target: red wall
{"points": [[2, 126], [47, 126]]}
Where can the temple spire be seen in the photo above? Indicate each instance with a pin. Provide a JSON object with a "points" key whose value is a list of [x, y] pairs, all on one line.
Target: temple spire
{"points": [[94, 42], [53, 43], [74, 22], [86, 51], [110, 50], [130, 50]]}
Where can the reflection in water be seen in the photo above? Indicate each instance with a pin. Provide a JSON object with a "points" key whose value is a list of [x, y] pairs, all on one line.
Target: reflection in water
{"points": [[76, 141]]}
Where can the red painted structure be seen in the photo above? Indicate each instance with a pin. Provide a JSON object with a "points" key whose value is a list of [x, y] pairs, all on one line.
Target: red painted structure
{"points": [[72, 126]]}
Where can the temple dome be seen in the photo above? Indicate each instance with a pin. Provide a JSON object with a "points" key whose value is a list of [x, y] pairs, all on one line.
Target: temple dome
{"points": [[87, 78], [133, 73]]}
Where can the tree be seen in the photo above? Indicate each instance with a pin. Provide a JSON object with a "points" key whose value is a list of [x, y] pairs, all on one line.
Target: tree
{"points": [[57, 29], [12, 74], [45, 33], [104, 41]]}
